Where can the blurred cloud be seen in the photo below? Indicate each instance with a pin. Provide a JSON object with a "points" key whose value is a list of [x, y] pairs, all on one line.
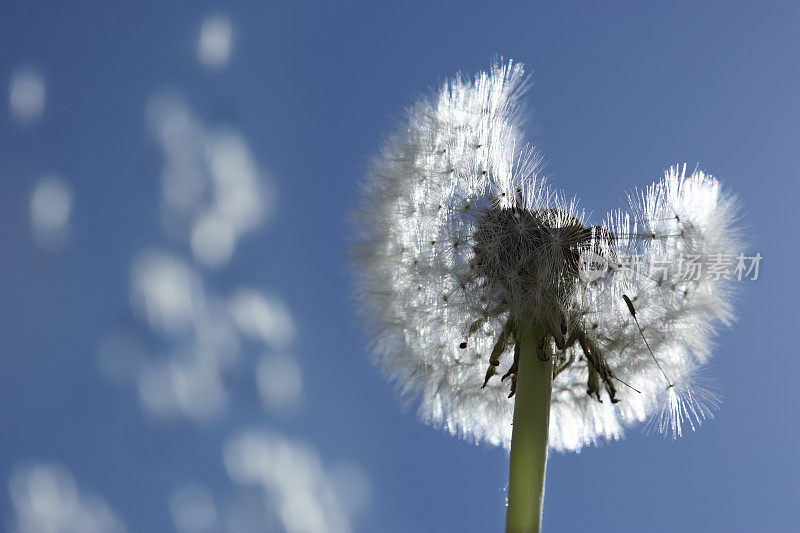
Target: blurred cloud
{"points": [[46, 499], [193, 510], [166, 291], [203, 334], [213, 239], [193, 339], [280, 384], [192, 387], [120, 356], [26, 94], [262, 318], [291, 478], [188, 377], [353, 487], [181, 137], [238, 206], [216, 41], [50, 209], [213, 188]]}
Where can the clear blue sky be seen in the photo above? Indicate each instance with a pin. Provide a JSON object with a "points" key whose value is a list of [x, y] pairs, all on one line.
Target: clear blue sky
{"points": [[621, 90]]}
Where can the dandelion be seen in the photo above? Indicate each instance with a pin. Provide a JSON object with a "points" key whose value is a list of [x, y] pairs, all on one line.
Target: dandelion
{"points": [[510, 319]]}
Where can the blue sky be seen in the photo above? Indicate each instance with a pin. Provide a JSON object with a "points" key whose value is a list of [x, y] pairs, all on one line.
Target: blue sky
{"points": [[297, 104]]}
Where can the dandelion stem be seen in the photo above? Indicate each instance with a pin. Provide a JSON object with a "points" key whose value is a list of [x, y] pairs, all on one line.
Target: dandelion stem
{"points": [[529, 435]]}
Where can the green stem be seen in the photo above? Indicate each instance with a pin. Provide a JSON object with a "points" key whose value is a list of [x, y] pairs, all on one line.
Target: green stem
{"points": [[529, 435]]}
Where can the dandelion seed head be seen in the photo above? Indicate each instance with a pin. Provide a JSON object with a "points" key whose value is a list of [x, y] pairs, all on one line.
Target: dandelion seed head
{"points": [[460, 241]]}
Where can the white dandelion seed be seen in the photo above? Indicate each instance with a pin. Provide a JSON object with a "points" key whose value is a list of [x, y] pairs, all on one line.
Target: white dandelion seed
{"points": [[687, 403], [468, 264]]}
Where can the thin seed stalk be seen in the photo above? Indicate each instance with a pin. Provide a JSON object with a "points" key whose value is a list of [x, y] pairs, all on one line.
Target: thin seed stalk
{"points": [[529, 435]]}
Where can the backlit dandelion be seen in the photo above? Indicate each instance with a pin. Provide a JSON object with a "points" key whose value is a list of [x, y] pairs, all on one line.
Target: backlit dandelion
{"points": [[492, 300]]}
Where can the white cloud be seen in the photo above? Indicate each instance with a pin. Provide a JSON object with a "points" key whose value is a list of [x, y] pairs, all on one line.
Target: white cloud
{"points": [[191, 388], [206, 338], [46, 499], [213, 189], [353, 487], [26, 94], [50, 210], [291, 478], [213, 239], [280, 384], [181, 136], [263, 318], [193, 510], [120, 356], [235, 177], [204, 333], [216, 41], [166, 291]]}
